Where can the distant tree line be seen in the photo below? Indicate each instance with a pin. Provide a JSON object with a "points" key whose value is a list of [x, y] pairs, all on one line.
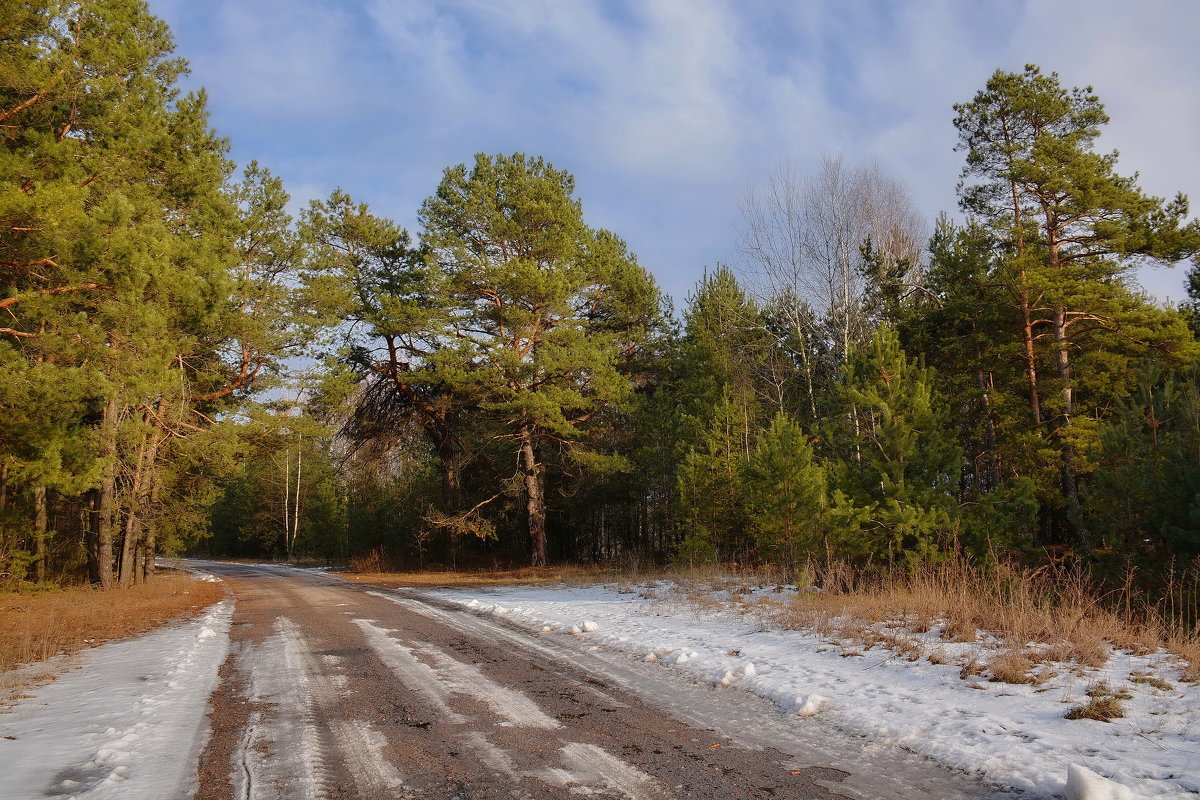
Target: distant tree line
{"points": [[510, 386]]}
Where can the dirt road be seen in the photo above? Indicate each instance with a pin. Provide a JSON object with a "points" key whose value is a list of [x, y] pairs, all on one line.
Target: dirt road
{"points": [[339, 690]]}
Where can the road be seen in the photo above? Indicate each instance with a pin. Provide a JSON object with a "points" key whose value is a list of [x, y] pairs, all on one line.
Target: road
{"points": [[339, 690]]}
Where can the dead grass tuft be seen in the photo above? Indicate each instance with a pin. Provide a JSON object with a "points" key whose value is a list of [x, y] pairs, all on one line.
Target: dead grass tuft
{"points": [[1104, 704], [970, 668], [1150, 679], [1101, 709], [908, 647], [1011, 666], [34, 628]]}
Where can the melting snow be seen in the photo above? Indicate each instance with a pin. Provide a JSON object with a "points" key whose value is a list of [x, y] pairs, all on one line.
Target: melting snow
{"points": [[1013, 734], [129, 724]]}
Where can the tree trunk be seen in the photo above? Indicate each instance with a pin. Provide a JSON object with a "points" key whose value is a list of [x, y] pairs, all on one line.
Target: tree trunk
{"points": [[535, 486], [451, 481], [39, 531], [4, 484], [287, 507], [130, 543], [150, 511], [148, 555], [1069, 477], [102, 522], [1035, 404], [295, 508], [989, 441], [90, 540], [102, 501], [139, 559]]}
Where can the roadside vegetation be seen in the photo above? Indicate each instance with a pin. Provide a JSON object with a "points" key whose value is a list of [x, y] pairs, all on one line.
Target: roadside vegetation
{"points": [[36, 627]]}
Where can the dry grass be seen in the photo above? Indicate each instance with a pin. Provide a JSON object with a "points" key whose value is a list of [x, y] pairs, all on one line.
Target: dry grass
{"points": [[1067, 615], [1150, 679], [36, 627], [1101, 709], [1011, 666], [1104, 704]]}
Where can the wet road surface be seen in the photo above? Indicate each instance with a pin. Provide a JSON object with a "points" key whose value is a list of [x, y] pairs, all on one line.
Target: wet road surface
{"points": [[340, 690]]}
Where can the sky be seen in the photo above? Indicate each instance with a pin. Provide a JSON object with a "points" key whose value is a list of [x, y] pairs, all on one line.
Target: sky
{"points": [[669, 111]]}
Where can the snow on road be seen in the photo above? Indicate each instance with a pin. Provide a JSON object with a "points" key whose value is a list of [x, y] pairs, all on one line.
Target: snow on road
{"points": [[129, 723], [282, 756], [1016, 735], [582, 765]]}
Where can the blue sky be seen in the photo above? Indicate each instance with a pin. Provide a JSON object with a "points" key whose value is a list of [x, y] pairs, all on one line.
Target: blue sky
{"points": [[667, 111]]}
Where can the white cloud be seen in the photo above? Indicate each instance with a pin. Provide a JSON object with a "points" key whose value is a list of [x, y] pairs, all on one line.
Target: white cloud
{"points": [[665, 110]]}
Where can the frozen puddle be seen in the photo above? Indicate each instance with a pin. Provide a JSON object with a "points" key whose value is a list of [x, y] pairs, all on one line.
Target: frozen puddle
{"points": [[129, 724]]}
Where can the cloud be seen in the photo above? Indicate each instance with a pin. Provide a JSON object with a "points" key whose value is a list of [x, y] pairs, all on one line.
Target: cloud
{"points": [[666, 110]]}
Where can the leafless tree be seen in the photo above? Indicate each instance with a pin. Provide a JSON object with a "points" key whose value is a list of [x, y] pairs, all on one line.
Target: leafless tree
{"points": [[802, 243]]}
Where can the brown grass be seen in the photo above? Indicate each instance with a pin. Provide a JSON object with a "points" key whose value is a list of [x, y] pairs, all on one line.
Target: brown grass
{"points": [[1071, 615], [1011, 666], [1104, 704], [1150, 679], [36, 627], [1187, 647], [1101, 709]]}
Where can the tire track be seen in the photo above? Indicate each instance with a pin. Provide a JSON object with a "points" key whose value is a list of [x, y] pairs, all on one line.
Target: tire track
{"points": [[584, 766], [289, 751]]}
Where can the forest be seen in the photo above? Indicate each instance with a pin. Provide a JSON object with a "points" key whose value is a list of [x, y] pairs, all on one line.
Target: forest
{"points": [[188, 367]]}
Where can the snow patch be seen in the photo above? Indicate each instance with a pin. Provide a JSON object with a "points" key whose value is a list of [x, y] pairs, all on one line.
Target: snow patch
{"points": [[810, 705], [1083, 784], [1012, 734], [437, 675], [129, 724]]}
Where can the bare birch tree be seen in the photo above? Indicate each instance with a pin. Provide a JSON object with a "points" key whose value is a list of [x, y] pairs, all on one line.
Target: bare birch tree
{"points": [[802, 243]]}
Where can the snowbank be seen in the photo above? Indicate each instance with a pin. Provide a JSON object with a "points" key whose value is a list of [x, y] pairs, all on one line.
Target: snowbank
{"points": [[129, 724], [1013, 734]]}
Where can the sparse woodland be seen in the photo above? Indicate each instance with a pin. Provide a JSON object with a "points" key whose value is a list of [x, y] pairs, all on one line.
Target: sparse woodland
{"points": [[184, 366]]}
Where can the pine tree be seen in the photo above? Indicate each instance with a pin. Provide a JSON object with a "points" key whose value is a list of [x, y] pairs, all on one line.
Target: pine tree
{"points": [[541, 314], [118, 245], [786, 492], [1143, 501], [898, 468], [1067, 232], [713, 512]]}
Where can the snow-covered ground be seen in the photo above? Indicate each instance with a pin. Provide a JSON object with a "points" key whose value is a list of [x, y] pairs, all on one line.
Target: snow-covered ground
{"points": [[129, 723], [1014, 734]]}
